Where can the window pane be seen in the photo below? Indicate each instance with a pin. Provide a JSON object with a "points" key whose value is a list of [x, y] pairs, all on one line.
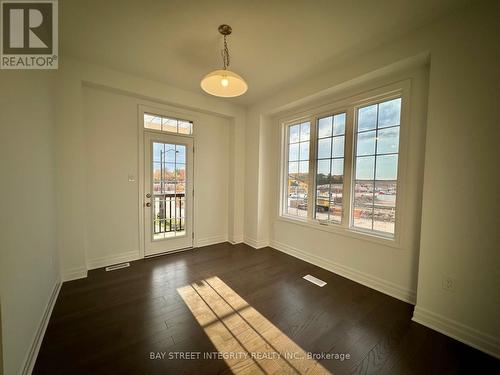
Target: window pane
{"points": [[304, 131], [168, 172], [337, 170], [293, 152], [297, 198], [365, 168], [180, 172], [387, 167], [185, 127], [323, 168], [389, 113], [339, 124], [152, 122], [367, 118], [304, 150], [169, 188], [157, 171], [324, 148], [384, 219], [338, 147], [363, 204], [169, 125], [293, 168], [292, 197], [388, 140], [322, 205], [180, 154], [180, 188], [366, 143], [157, 149], [168, 153], [303, 167], [294, 133], [336, 202], [385, 194], [325, 127]]}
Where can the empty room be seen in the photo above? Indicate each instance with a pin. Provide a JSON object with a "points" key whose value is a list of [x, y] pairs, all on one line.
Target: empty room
{"points": [[249, 187]]}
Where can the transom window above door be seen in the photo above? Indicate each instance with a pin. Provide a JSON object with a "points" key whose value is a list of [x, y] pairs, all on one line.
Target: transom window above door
{"points": [[167, 124]]}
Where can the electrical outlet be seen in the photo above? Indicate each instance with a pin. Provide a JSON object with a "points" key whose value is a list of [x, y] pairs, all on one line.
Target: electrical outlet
{"points": [[449, 283]]}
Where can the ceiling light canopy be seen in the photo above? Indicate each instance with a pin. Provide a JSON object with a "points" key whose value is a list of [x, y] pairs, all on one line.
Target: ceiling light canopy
{"points": [[224, 83]]}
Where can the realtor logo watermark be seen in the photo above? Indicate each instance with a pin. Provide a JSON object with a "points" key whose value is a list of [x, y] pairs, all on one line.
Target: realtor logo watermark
{"points": [[29, 37]]}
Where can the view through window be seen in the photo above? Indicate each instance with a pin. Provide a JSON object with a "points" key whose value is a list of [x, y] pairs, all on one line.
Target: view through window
{"points": [[372, 167]]}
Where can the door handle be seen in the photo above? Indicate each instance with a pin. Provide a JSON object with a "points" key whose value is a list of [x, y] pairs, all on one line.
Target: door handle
{"points": [[148, 204]]}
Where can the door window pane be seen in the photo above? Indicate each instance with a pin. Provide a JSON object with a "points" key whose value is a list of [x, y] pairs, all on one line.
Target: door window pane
{"points": [[169, 184]]}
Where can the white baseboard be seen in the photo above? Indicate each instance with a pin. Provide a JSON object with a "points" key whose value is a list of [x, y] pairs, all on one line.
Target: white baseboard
{"points": [[30, 360], [458, 331], [368, 280], [200, 242], [74, 274], [237, 239], [255, 243], [109, 260]]}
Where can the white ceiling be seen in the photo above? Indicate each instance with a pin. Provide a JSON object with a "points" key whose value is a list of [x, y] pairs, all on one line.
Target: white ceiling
{"points": [[273, 42]]}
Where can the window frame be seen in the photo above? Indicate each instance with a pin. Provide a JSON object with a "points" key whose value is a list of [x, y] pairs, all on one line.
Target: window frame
{"points": [[350, 106]]}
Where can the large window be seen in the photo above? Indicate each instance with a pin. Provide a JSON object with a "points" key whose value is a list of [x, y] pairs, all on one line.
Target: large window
{"points": [[356, 190]]}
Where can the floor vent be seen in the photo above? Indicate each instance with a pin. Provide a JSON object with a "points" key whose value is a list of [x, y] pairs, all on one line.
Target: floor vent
{"points": [[314, 280], [117, 266]]}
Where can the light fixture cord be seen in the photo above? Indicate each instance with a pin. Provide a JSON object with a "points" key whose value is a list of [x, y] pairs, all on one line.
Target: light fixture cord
{"points": [[225, 54]]}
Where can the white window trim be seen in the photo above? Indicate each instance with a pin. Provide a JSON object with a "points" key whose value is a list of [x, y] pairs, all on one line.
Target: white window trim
{"points": [[349, 106]]}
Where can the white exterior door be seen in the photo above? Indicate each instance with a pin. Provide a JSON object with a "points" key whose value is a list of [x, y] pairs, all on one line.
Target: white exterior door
{"points": [[168, 193]]}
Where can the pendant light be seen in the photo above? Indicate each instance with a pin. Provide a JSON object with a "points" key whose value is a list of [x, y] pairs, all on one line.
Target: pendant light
{"points": [[223, 82]]}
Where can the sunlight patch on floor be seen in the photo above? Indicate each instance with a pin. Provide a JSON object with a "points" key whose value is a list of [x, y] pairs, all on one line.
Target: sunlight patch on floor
{"points": [[252, 344]]}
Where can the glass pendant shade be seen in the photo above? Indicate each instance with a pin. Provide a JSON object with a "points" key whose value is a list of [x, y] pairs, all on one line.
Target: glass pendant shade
{"points": [[224, 83]]}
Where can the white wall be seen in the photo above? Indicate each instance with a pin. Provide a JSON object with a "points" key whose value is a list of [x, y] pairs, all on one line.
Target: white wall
{"points": [[459, 227], [86, 125], [460, 223], [111, 155], [29, 270]]}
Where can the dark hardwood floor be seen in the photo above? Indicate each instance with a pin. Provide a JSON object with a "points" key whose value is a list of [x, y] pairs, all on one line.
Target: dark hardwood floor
{"points": [[111, 322]]}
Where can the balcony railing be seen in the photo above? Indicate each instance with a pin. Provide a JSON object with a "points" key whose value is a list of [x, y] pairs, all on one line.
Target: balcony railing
{"points": [[168, 212]]}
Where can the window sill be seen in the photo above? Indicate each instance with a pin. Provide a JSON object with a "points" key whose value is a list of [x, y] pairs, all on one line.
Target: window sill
{"points": [[347, 232]]}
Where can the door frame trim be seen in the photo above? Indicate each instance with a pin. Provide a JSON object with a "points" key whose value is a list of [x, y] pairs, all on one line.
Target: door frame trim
{"points": [[167, 112]]}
